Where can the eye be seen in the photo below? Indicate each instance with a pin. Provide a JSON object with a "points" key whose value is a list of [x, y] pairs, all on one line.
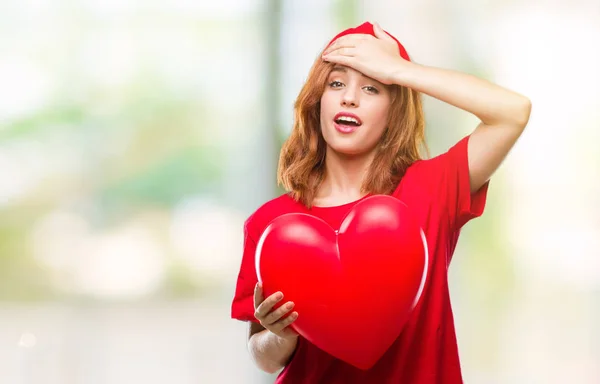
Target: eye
{"points": [[335, 84], [371, 89]]}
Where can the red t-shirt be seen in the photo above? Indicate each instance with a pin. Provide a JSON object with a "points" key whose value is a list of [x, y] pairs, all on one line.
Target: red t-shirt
{"points": [[438, 191]]}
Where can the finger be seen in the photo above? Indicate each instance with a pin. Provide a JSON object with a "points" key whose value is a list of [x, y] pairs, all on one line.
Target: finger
{"points": [[339, 59], [347, 41], [276, 315], [343, 51], [339, 47], [282, 324], [380, 33], [265, 307], [258, 295]]}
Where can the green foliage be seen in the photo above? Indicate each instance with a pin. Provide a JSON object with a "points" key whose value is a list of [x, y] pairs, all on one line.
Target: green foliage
{"points": [[46, 120], [188, 171], [180, 282], [346, 13], [21, 278], [147, 150]]}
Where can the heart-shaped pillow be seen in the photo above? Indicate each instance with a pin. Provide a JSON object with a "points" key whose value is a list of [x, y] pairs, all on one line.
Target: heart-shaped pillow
{"points": [[353, 288]]}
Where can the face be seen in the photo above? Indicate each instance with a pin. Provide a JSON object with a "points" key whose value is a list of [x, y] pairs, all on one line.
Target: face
{"points": [[354, 111]]}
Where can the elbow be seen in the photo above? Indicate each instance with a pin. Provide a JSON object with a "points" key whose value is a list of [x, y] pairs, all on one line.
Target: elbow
{"points": [[267, 366], [270, 369], [522, 112], [514, 114], [263, 363]]}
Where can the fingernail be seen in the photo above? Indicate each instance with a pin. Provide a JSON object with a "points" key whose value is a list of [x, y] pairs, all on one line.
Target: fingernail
{"points": [[279, 296], [289, 305]]}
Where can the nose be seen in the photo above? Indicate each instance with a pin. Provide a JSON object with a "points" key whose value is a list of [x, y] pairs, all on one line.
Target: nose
{"points": [[350, 97]]}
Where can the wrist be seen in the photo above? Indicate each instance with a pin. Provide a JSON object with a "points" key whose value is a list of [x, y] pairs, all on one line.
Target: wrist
{"points": [[404, 72]]}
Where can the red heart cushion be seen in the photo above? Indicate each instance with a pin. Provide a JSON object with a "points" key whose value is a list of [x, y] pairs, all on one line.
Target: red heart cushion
{"points": [[353, 288]]}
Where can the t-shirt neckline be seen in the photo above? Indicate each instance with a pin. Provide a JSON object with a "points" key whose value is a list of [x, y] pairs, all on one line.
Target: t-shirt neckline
{"points": [[321, 207]]}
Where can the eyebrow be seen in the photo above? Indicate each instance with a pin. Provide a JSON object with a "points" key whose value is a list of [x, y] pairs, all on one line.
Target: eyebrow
{"points": [[338, 68]]}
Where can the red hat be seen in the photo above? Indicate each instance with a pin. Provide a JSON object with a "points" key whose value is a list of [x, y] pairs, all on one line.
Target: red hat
{"points": [[367, 28]]}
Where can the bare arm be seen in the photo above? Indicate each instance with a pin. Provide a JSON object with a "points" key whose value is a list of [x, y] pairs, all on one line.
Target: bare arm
{"points": [[271, 343], [269, 351], [503, 113]]}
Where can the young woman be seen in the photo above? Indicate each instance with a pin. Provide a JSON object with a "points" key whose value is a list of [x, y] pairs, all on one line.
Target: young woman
{"points": [[358, 131]]}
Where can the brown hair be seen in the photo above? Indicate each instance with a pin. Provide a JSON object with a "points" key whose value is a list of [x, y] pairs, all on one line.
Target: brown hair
{"points": [[302, 157]]}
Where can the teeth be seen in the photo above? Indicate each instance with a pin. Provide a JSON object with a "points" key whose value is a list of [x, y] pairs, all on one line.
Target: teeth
{"points": [[349, 119]]}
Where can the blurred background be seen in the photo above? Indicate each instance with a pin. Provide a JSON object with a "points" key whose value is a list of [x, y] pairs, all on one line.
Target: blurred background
{"points": [[137, 136]]}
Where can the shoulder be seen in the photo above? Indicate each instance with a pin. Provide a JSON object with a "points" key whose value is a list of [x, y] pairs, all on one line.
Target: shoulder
{"points": [[433, 176], [422, 175], [430, 171], [259, 219]]}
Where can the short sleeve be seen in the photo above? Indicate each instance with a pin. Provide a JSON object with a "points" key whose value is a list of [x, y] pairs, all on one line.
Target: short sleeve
{"points": [[242, 307], [455, 186]]}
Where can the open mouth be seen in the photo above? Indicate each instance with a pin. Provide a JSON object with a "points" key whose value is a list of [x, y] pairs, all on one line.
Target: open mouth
{"points": [[347, 121]]}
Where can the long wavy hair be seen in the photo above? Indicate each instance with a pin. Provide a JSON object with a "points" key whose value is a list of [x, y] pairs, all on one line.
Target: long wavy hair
{"points": [[302, 158]]}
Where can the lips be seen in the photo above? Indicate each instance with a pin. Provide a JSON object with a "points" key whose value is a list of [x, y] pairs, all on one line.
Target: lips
{"points": [[346, 122]]}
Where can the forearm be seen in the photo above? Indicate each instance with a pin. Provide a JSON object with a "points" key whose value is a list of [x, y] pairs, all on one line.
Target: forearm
{"points": [[271, 352], [492, 104]]}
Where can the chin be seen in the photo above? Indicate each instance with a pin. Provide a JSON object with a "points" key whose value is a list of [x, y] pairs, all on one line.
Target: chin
{"points": [[355, 144], [348, 149]]}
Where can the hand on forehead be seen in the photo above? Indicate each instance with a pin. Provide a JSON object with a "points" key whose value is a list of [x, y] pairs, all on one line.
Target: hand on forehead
{"points": [[364, 31]]}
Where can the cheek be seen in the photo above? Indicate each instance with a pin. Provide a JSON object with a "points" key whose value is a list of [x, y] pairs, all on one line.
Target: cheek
{"points": [[380, 117], [326, 101], [326, 109]]}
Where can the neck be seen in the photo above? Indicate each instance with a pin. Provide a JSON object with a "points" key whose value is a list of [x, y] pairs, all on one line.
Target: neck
{"points": [[344, 175]]}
